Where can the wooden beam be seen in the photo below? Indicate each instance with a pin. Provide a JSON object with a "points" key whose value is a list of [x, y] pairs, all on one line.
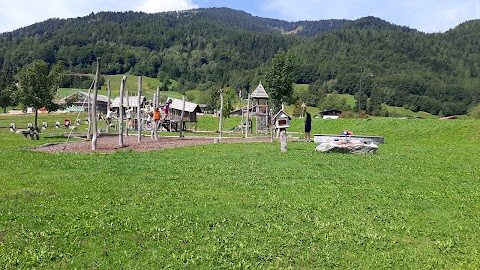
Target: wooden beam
{"points": [[139, 117], [120, 111], [94, 107]]}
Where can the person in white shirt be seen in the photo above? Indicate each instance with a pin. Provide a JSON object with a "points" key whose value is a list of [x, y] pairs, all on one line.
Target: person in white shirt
{"points": [[110, 115], [129, 113]]}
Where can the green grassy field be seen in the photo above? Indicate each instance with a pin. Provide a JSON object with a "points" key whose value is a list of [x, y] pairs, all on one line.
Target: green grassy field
{"points": [[149, 86], [394, 111], [413, 205]]}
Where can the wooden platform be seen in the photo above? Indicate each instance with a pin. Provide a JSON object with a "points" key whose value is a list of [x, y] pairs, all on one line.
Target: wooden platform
{"points": [[325, 138]]}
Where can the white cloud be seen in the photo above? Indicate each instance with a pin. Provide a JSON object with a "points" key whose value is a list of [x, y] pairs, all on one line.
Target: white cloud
{"points": [[19, 13], [153, 6], [426, 15]]}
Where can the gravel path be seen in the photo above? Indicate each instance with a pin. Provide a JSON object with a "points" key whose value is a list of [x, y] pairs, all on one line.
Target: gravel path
{"points": [[107, 144]]}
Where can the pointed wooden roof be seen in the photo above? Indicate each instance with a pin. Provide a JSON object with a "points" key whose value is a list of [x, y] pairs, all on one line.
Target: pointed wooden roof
{"points": [[259, 92], [282, 114]]}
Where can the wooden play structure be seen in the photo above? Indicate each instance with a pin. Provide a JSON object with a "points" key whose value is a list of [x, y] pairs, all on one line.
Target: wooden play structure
{"points": [[175, 121], [257, 107]]}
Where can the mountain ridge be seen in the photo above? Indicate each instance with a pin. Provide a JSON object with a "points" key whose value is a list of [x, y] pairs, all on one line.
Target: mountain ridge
{"points": [[256, 23]]}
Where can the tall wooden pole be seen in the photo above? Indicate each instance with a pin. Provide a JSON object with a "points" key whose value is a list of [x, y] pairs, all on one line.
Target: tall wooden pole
{"points": [[89, 112], [139, 117], [220, 124], [94, 107], [283, 140], [154, 101], [109, 95], [181, 116], [156, 123], [283, 136], [248, 117], [120, 112], [128, 108], [155, 126], [271, 124]]}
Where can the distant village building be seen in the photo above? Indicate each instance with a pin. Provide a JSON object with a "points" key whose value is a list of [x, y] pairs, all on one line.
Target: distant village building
{"points": [[331, 114], [79, 102], [129, 102]]}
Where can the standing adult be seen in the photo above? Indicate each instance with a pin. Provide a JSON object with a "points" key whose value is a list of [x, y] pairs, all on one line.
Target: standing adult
{"points": [[308, 126]]}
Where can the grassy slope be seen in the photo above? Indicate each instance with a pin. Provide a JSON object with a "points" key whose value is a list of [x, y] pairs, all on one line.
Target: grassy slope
{"points": [[351, 102], [409, 113], [415, 204], [149, 87]]}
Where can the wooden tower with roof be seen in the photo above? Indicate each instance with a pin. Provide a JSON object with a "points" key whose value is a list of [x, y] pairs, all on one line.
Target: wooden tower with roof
{"points": [[260, 108]]}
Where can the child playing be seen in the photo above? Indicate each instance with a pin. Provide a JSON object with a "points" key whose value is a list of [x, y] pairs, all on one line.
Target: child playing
{"points": [[166, 107]]}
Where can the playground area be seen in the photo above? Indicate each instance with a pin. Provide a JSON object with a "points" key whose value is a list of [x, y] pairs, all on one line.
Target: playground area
{"points": [[109, 144]]}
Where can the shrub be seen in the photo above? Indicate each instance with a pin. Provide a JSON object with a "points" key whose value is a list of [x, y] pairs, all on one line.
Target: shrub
{"points": [[475, 112]]}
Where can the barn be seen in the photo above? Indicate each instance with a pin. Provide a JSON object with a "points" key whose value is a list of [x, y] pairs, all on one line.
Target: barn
{"points": [[79, 102], [331, 114]]}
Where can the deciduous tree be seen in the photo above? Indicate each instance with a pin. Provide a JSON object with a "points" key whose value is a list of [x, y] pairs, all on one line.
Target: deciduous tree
{"points": [[7, 89], [38, 85], [279, 78]]}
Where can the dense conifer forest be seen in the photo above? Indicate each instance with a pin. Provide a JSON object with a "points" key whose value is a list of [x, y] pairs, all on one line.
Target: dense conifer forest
{"points": [[208, 48]]}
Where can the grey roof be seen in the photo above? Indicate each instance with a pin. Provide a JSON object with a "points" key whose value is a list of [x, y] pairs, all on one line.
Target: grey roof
{"points": [[259, 92], [132, 101], [177, 104], [84, 95]]}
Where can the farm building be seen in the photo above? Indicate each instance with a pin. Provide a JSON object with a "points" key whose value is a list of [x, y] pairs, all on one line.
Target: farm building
{"points": [[331, 114], [79, 102], [129, 102]]}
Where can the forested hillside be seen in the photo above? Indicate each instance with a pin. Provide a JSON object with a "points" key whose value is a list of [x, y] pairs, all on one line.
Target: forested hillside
{"points": [[205, 48]]}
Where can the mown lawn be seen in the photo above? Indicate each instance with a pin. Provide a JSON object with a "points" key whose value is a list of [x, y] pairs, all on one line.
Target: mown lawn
{"points": [[415, 204]]}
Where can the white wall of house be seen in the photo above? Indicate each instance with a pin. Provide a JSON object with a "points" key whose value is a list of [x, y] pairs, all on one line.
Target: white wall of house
{"points": [[330, 117]]}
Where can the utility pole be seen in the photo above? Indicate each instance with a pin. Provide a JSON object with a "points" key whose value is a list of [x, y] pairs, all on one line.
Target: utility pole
{"points": [[360, 96]]}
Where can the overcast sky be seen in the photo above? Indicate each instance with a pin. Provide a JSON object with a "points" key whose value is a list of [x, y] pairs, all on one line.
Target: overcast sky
{"points": [[424, 15]]}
